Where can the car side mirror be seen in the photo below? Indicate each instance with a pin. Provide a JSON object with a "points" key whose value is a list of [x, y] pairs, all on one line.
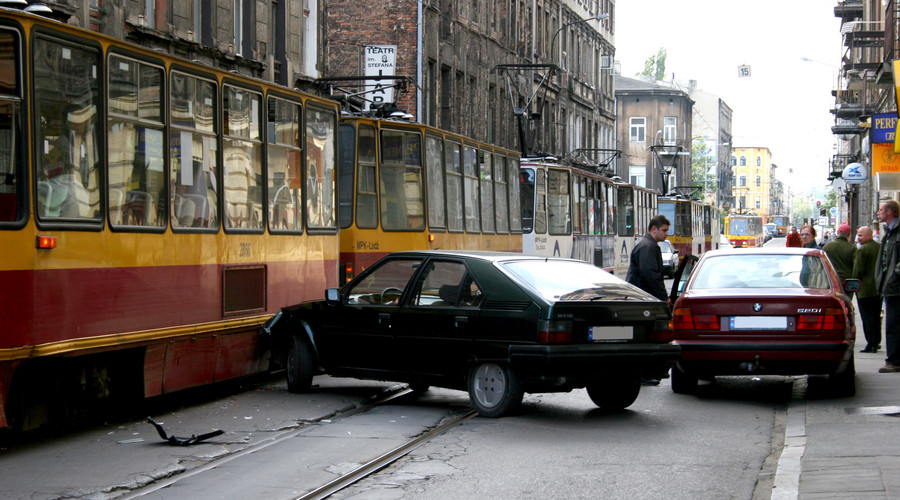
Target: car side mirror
{"points": [[675, 251], [333, 296], [851, 285]]}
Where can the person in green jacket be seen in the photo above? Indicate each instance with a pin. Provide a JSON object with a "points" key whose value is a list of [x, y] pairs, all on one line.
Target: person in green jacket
{"points": [[840, 252], [867, 298]]}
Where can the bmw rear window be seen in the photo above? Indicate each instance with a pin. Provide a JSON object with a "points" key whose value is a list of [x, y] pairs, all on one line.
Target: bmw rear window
{"points": [[762, 271]]}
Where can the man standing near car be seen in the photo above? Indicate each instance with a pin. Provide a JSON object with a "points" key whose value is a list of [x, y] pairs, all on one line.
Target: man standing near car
{"points": [[868, 298], [887, 282], [841, 251], [645, 269]]}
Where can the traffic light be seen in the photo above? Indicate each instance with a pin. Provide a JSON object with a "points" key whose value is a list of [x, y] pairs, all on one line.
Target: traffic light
{"points": [[819, 203], [822, 212]]}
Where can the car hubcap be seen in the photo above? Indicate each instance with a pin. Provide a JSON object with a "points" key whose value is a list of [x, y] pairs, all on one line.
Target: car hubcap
{"points": [[490, 384]]}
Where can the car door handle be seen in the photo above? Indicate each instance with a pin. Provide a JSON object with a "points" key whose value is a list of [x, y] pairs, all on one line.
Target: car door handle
{"points": [[384, 319], [459, 321]]}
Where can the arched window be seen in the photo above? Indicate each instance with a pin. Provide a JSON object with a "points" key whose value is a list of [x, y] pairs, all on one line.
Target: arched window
{"points": [[743, 161], [733, 161], [758, 161]]}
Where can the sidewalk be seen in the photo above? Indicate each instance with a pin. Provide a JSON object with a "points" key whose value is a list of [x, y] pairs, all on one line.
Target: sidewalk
{"points": [[847, 447]]}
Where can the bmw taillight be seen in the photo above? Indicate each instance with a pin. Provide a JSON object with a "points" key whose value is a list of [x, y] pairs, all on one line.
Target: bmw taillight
{"points": [[832, 319], [684, 320], [554, 331]]}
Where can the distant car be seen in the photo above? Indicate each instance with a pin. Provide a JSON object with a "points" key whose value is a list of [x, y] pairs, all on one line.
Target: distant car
{"points": [[495, 324], [767, 235], [669, 258], [776, 311]]}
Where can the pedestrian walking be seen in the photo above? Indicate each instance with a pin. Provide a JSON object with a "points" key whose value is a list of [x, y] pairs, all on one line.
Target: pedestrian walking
{"points": [[793, 239], [841, 251], [867, 298], [887, 282], [808, 237], [645, 268]]}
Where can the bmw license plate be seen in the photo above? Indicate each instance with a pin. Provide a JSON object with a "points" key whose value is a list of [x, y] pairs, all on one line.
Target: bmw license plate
{"points": [[602, 333], [759, 322]]}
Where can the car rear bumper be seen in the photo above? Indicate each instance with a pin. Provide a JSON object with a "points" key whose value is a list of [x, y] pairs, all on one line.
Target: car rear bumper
{"points": [[765, 358], [580, 363]]}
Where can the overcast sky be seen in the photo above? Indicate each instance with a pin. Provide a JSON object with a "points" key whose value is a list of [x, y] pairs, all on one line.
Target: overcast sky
{"points": [[784, 105]]}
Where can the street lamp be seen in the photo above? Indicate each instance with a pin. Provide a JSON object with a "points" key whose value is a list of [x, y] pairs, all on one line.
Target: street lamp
{"points": [[598, 17]]}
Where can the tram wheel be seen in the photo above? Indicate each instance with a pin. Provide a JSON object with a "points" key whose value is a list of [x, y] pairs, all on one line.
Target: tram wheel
{"points": [[299, 365]]}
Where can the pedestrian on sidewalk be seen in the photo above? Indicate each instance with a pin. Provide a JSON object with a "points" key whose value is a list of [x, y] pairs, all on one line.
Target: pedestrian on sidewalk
{"points": [[868, 298], [793, 239], [887, 282], [841, 251], [808, 237]]}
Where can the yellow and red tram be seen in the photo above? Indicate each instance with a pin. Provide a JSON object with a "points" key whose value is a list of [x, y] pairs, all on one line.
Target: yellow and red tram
{"points": [[154, 213], [409, 186], [744, 231]]}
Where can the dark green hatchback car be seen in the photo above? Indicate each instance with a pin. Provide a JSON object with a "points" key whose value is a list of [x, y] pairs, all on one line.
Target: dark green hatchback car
{"points": [[495, 324]]}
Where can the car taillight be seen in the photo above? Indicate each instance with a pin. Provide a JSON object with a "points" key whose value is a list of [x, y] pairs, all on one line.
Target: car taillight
{"points": [[684, 320], [554, 331], [832, 319], [662, 332]]}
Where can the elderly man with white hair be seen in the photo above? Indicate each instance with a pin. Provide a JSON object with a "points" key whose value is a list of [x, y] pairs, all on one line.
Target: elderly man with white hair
{"points": [[868, 298]]}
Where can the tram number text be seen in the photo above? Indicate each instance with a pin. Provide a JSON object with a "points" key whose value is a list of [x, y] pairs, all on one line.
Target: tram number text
{"points": [[367, 245], [245, 250]]}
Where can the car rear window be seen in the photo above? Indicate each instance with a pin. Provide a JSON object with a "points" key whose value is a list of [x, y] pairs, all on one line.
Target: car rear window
{"points": [[762, 271], [560, 280]]}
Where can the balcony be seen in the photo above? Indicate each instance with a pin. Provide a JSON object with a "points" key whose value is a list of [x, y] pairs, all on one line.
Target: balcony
{"points": [[849, 9], [837, 164]]}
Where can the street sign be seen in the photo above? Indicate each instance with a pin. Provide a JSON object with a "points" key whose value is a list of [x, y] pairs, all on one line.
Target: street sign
{"points": [[823, 221], [833, 211]]}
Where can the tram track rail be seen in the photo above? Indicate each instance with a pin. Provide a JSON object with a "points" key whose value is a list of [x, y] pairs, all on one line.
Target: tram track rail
{"points": [[345, 480]]}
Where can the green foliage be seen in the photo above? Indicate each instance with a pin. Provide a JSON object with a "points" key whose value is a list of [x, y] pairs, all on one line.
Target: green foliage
{"points": [[655, 65], [702, 173], [803, 209]]}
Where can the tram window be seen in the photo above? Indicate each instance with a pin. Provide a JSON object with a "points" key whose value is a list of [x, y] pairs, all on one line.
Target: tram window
{"points": [[612, 201], [540, 202], [434, 175], [283, 165], [242, 159], [11, 158], [526, 193], [486, 176], [321, 127], [453, 168], [136, 159], [400, 181], [683, 214], [625, 209], [366, 191], [470, 189], [69, 136], [500, 194], [559, 202], [515, 212], [346, 170], [192, 152]]}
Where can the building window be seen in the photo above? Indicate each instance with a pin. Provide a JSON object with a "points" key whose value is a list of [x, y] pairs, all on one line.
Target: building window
{"points": [[758, 202], [743, 161], [638, 176], [742, 181], [638, 129], [733, 161], [238, 26], [670, 129], [758, 161], [758, 181], [150, 13]]}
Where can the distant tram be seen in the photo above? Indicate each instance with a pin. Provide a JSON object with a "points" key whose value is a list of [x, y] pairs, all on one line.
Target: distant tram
{"points": [[744, 230], [781, 225]]}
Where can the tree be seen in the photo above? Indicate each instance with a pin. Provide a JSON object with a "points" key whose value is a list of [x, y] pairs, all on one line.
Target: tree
{"points": [[701, 164], [803, 209], [655, 65]]}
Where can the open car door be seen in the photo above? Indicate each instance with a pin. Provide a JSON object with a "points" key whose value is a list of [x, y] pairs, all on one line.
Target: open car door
{"points": [[685, 269]]}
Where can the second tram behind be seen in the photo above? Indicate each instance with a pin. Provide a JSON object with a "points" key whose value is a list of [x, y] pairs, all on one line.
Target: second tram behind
{"points": [[744, 231]]}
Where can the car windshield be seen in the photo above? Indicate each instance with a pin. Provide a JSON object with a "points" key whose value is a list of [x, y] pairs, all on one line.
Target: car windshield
{"points": [[665, 246], [560, 280], [761, 271]]}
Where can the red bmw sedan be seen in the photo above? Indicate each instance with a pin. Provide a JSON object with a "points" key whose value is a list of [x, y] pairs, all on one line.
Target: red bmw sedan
{"points": [[763, 311]]}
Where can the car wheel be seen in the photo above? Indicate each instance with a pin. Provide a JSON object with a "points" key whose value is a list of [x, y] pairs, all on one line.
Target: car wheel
{"points": [[844, 383], [299, 365], [615, 393], [682, 382], [494, 390]]}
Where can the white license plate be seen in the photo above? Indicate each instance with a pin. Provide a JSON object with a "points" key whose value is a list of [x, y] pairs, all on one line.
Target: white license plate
{"points": [[759, 322], [601, 333]]}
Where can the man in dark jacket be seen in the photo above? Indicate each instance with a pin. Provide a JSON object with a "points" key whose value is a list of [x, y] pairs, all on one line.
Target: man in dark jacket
{"points": [[840, 252], [868, 298], [887, 282], [645, 270]]}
